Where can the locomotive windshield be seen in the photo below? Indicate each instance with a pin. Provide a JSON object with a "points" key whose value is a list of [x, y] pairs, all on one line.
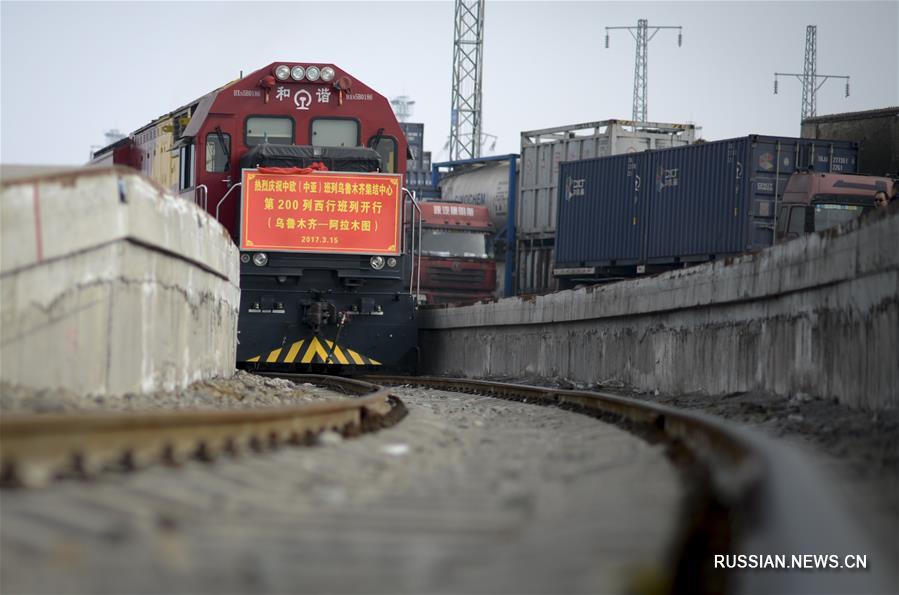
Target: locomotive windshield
{"points": [[335, 132], [269, 129], [463, 244]]}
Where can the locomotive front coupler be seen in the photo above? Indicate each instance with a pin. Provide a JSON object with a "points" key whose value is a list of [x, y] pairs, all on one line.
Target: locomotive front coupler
{"points": [[319, 313]]}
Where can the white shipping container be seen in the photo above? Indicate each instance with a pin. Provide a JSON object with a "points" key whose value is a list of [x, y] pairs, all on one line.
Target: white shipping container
{"points": [[541, 153], [543, 150]]}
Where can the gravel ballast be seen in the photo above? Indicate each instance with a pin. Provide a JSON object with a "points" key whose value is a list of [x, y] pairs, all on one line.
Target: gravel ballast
{"points": [[242, 391]]}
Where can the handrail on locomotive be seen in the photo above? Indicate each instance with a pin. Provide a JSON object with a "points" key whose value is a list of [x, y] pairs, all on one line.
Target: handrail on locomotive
{"points": [[415, 272], [224, 198], [204, 196]]}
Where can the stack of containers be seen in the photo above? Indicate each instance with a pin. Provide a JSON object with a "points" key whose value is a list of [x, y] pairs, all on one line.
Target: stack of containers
{"points": [[686, 204], [418, 169], [542, 151]]}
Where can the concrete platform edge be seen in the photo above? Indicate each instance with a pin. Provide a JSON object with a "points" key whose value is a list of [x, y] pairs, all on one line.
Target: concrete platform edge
{"points": [[111, 285]]}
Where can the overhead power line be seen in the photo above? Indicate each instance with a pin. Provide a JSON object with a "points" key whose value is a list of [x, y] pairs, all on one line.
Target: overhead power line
{"points": [[642, 35], [810, 77]]}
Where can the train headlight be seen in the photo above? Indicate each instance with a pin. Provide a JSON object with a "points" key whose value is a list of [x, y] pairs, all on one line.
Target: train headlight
{"points": [[327, 74], [245, 258], [260, 259], [312, 73], [297, 73], [377, 262], [391, 262], [282, 72]]}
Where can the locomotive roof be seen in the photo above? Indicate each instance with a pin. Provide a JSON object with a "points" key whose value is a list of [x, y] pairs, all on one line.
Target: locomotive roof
{"points": [[200, 109], [335, 158], [197, 110]]}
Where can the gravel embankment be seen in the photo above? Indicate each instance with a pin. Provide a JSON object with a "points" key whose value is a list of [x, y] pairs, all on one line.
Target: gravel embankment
{"points": [[468, 494], [242, 391]]}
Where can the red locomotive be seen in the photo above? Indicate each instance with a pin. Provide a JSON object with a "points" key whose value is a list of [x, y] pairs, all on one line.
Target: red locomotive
{"points": [[303, 164]]}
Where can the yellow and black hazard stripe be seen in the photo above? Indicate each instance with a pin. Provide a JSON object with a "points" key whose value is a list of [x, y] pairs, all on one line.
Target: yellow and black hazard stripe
{"points": [[315, 351]]}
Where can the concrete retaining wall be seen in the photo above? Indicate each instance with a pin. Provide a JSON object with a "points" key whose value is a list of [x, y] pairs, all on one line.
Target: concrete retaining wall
{"points": [[109, 285], [819, 315]]}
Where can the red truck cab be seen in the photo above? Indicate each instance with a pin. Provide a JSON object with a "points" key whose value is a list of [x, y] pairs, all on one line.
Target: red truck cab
{"points": [[457, 265], [815, 201]]}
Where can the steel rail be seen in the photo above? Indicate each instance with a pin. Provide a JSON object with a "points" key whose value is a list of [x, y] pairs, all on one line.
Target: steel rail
{"points": [[755, 495], [36, 448]]}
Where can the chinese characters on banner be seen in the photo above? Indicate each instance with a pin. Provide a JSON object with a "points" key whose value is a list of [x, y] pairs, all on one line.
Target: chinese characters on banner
{"points": [[321, 212]]}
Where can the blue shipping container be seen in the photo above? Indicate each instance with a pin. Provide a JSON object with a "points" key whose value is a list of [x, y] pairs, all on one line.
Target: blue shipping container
{"points": [[684, 204]]}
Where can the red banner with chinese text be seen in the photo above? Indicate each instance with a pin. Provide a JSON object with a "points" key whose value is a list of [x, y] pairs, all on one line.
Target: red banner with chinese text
{"points": [[339, 213]]}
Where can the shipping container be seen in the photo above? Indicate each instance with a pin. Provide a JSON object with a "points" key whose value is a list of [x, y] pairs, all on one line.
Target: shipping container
{"points": [[541, 153], [877, 131], [543, 150], [534, 259], [414, 132], [673, 206]]}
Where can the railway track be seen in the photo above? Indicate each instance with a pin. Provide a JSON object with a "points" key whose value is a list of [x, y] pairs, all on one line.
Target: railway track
{"points": [[34, 449], [745, 494], [748, 494]]}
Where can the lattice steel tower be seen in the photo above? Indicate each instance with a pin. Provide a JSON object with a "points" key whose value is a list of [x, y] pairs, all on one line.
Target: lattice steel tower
{"points": [[402, 107], [809, 77], [641, 35], [465, 117]]}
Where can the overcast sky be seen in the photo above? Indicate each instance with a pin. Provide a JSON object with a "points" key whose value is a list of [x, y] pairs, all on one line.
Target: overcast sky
{"points": [[72, 70]]}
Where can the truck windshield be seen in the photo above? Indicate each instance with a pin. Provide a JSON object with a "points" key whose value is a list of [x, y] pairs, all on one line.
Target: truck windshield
{"points": [[830, 214], [463, 244]]}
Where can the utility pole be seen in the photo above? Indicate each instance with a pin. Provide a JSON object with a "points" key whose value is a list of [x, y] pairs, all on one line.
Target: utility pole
{"points": [[809, 77], [642, 36], [465, 117]]}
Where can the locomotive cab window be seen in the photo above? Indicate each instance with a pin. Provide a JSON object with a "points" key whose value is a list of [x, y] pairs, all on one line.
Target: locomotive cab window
{"points": [[277, 130], [186, 167], [386, 147], [335, 132], [218, 150]]}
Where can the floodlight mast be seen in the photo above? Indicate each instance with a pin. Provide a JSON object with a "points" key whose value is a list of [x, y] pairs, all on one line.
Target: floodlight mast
{"points": [[465, 115], [642, 36]]}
